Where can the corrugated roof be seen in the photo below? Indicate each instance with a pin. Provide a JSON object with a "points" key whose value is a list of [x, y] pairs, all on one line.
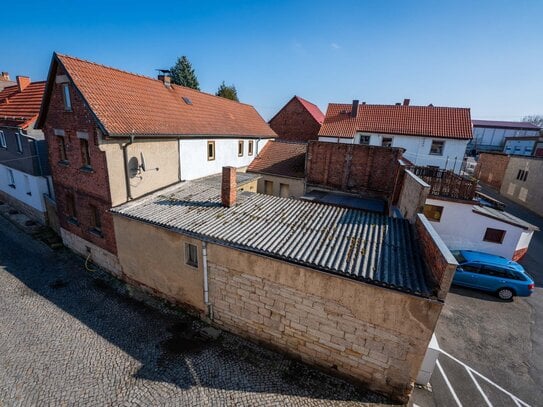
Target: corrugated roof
{"points": [[503, 216], [23, 107], [505, 124], [361, 245], [127, 103], [432, 121], [281, 158]]}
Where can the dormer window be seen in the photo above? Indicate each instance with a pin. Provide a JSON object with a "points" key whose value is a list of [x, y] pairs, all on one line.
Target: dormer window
{"points": [[66, 97]]}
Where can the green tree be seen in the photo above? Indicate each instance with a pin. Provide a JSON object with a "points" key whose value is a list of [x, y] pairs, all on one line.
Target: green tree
{"points": [[183, 74], [227, 92]]}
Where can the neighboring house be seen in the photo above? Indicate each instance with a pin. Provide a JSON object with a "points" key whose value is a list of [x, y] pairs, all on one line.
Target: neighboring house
{"points": [[523, 182], [490, 135], [298, 120], [430, 135], [527, 146], [356, 293], [464, 220], [114, 136], [281, 166], [491, 168], [5, 81], [24, 170]]}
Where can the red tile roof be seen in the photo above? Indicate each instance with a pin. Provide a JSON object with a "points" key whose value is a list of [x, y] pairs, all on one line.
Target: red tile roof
{"points": [[126, 103], [433, 121], [312, 109], [23, 107], [281, 158], [8, 92]]}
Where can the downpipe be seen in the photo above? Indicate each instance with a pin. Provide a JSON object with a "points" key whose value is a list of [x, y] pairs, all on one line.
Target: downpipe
{"points": [[126, 176], [206, 282]]}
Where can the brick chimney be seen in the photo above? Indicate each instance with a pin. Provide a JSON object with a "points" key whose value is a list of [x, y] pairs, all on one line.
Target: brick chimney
{"points": [[406, 102], [229, 186], [354, 109], [4, 76], [23, 82], [166, 79]]}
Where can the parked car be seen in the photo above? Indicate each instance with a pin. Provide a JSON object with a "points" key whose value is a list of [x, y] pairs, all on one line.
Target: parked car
{"points": [[496, 274]]}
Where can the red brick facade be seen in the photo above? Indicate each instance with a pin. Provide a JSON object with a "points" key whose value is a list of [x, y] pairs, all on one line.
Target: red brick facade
{"points": [[295, 123], [491, 168], [89, 187], [370, 170]]}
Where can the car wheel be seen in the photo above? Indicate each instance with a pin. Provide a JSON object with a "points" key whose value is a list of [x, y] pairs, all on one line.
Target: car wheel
{"points": [[505, 294]]}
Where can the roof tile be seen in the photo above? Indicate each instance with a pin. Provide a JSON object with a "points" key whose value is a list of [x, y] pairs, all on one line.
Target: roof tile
{"points": [[23, 107], [281, 158]]}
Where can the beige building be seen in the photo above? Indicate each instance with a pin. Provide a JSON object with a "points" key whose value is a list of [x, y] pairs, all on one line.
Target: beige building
{"points": [[523, 182], [354, 292]]}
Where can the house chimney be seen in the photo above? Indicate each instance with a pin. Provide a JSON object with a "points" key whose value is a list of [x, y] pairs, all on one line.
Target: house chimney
{"points": [[354, 110], [166, 79], [228, 186], [4, 76], [23, 82], [406, 102]]}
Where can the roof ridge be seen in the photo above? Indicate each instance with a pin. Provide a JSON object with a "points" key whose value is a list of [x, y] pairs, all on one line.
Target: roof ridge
{"points": [[361, 105], [145, 77]]}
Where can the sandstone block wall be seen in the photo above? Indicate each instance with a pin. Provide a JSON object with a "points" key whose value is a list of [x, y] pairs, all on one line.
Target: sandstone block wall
{"points": [[366, 333]]}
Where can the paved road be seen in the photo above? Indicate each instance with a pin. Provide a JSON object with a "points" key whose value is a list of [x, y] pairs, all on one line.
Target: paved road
{"points": [[68, 338], [501, 340]]}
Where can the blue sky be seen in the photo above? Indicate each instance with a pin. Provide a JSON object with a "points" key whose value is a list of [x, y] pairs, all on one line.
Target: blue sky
{"points": [[480, 54]]}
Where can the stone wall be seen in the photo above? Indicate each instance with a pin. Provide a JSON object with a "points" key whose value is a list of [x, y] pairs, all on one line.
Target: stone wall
{"points": [[22, 207], [413, 196], [491, 168], [438, 259], [370, 170], [366, 333]]}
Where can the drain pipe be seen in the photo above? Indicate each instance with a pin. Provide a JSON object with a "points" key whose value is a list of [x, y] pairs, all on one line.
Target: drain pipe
{"points": [[206, 283], [126, 176]]}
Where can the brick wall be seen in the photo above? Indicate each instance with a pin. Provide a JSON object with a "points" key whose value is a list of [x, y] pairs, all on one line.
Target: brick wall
{"points": [[491, 168], [365, 333], [437, 257], [295, 123], [369, 170], [88, 187]]}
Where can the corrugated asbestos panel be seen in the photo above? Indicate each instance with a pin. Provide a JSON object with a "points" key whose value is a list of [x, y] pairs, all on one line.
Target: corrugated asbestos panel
{"points": [[363, 245]]}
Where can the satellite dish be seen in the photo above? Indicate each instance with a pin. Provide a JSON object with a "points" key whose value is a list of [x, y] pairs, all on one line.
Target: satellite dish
{"points": [[142, 165]]}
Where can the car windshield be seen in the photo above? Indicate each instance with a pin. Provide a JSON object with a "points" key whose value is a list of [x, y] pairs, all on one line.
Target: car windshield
{"points": [[458, 256]]}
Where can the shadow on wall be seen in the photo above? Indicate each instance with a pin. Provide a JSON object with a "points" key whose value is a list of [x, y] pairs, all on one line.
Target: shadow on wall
{"points": [[162, 340]]}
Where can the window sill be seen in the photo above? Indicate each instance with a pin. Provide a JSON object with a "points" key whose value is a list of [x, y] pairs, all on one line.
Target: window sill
{"points": [[73, 221], [96, 232], [12, 186], [64, 163], [193, 265], [87, 169]]}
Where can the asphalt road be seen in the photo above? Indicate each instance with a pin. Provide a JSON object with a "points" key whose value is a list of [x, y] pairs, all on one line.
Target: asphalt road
{"points": [[503, 341]]}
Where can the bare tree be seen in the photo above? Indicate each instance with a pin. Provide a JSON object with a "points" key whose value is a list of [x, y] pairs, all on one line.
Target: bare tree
{"points": [[534, 119]]}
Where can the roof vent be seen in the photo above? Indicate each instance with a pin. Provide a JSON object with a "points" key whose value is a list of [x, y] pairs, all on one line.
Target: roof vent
{"points": [[187, 100]]}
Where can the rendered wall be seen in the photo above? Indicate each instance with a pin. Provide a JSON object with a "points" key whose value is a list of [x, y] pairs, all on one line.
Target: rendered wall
{"points": [[155, 257], [194, 162], [296, 185], [369, 334], [461, 228], [412, 196], [528, 193]]}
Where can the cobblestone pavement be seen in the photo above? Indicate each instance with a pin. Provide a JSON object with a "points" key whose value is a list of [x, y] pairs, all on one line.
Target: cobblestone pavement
{"points": [[71, 337]]}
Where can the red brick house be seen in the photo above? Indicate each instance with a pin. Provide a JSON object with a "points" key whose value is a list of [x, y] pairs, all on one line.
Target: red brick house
{"points": [[114, 136], [298, 120]]}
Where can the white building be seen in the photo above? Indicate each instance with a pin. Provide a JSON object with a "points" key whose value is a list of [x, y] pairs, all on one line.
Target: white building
{"points": [[467, 225], [490, 135], [431, 136]]}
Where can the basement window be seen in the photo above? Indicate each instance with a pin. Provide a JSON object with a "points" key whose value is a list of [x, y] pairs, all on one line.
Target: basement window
{"points": [[240, 148], [251, 144], [433, 212], [437, 147], [494, 235], [210, 150], [191, 255], [66, 97]]}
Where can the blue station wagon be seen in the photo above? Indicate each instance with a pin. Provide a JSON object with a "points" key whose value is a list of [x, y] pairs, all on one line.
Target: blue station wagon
{"points": [[496, 274]]}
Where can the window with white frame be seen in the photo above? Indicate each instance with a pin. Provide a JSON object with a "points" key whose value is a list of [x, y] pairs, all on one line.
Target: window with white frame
{"points": [[3, 143], [437, 147], [19, 143], [365, 140], [66, 97]]}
